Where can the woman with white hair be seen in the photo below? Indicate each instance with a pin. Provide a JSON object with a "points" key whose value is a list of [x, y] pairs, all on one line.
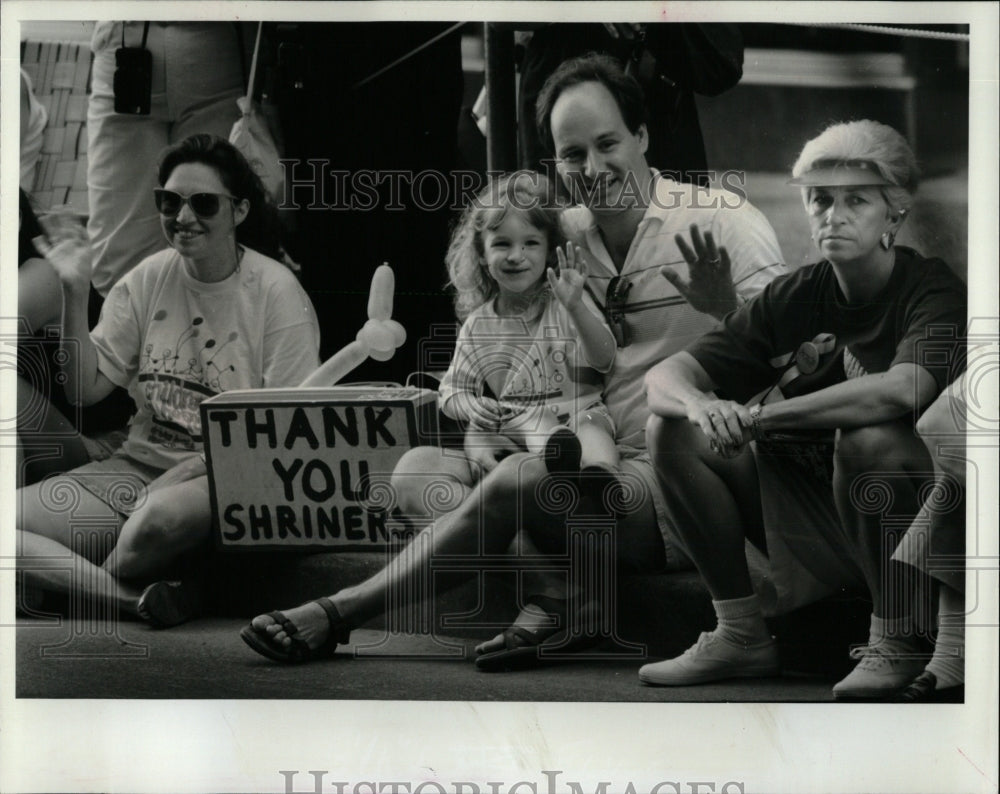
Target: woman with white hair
{"points": [[792, 424]]}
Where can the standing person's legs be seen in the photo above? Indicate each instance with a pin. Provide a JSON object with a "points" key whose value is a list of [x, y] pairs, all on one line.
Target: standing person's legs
{"points": [[878, 472], [122, 152], [204, 78], [196, 80], [714, 504]]}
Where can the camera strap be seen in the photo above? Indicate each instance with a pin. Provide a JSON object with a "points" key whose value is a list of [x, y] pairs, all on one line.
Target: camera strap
{"points": [[145, 34]]}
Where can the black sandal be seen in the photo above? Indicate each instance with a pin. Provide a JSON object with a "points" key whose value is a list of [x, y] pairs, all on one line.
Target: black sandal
{"points": [[298, 652], [164, 605], [923, 689], [525, 648]]}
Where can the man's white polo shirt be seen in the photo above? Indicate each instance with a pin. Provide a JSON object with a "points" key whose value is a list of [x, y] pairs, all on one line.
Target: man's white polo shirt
{"points": [[659, 321]]}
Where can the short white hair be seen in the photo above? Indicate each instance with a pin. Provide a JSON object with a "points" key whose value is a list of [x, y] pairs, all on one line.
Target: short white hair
{"points": [[879, 144]]}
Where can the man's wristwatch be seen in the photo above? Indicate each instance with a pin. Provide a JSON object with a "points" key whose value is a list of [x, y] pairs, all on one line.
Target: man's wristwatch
{"points": [[755, 429]]}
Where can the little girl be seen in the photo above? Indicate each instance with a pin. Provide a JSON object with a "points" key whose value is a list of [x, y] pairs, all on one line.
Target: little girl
{"points": [[530, 354]]}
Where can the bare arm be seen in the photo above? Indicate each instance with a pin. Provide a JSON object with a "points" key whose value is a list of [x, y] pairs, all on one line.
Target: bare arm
{"points": [[868, 400], [595, 338], [679, 387], [676, 384], [69, 255], [39, 296]]}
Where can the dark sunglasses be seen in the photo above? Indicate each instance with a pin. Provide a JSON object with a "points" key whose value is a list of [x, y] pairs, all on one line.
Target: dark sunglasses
{"points": [[614, 309], [204, 205]]}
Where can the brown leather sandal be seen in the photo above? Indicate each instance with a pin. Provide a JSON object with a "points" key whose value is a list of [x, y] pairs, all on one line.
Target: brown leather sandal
{"points": [[298, 652]]}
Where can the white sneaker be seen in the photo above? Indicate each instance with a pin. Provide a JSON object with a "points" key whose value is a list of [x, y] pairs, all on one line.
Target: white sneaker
{"points": [[885, 668], [714, 658]]}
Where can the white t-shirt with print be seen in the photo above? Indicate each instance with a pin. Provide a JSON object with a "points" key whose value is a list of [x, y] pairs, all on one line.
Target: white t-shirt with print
{"points": [[173, 341], [524, 366]]}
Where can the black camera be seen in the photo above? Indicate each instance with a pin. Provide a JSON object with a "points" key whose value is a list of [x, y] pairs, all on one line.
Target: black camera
{"points": [[133, 80]]}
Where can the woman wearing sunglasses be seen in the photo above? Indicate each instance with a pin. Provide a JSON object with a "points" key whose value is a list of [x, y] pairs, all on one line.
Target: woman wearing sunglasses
{"points": [[846, 352], [212, 312]]}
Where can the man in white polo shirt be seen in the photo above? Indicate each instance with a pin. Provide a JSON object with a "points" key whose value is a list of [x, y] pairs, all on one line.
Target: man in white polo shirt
{"points": [[666, 260], [659, 291], [653, 252]]}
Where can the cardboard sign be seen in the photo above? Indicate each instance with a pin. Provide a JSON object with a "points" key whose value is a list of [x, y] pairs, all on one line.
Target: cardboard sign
{"points": [[309, 468]]}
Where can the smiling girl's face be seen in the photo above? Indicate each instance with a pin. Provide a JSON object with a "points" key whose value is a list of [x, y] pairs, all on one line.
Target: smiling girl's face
{"points": [[516, 254], [848, 222]]}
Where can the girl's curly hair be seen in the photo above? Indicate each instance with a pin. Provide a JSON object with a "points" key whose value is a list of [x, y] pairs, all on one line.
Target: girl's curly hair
{"points": [[522, 191]]}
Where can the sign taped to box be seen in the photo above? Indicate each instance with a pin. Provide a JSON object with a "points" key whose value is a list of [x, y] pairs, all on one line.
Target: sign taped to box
{"points": [[309, 468]]}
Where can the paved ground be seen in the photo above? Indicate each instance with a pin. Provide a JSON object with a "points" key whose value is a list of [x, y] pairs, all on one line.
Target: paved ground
{"points": [[207, 659]]}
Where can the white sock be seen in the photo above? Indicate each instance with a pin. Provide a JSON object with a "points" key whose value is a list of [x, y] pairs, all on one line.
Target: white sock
{"points": [[891, 631], [741, 620], [948, 661]]}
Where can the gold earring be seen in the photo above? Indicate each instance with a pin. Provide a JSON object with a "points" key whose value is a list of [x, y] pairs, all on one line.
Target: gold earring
{"points": [[888, 238]]}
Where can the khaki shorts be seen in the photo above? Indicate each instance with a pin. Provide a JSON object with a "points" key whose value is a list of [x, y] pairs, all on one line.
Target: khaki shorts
{"points": [[808, 553], [119, 481]]}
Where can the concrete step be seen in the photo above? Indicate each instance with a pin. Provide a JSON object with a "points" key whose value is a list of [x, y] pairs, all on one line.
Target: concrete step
{"points": [[657, 615]]}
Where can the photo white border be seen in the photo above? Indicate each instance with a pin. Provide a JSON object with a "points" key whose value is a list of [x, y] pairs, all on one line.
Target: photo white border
{"points": [[213, 746]]}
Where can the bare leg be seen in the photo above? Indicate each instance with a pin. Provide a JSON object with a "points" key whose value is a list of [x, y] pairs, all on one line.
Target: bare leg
{"points": [[417, 482], [173, 520], [714, 503], [51, 430], [482, 524], [597, 441], [431, 481], [715, 506], [541, 433], [53, 556], [878, 472], [532, 428], [942, 429], [47, 565]]}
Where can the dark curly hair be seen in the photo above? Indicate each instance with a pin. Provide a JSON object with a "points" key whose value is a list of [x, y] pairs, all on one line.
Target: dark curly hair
{"points": [[261, 229], [590, 68]]}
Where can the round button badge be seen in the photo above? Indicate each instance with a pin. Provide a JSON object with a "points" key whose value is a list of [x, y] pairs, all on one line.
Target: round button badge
{"points": [[807, 358]]}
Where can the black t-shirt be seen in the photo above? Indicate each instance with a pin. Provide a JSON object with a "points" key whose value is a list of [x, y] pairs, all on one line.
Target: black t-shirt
{"points": [[919, 317]]}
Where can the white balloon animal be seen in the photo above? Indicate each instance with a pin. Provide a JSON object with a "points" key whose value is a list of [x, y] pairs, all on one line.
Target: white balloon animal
{"points": [[378, 338]]}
